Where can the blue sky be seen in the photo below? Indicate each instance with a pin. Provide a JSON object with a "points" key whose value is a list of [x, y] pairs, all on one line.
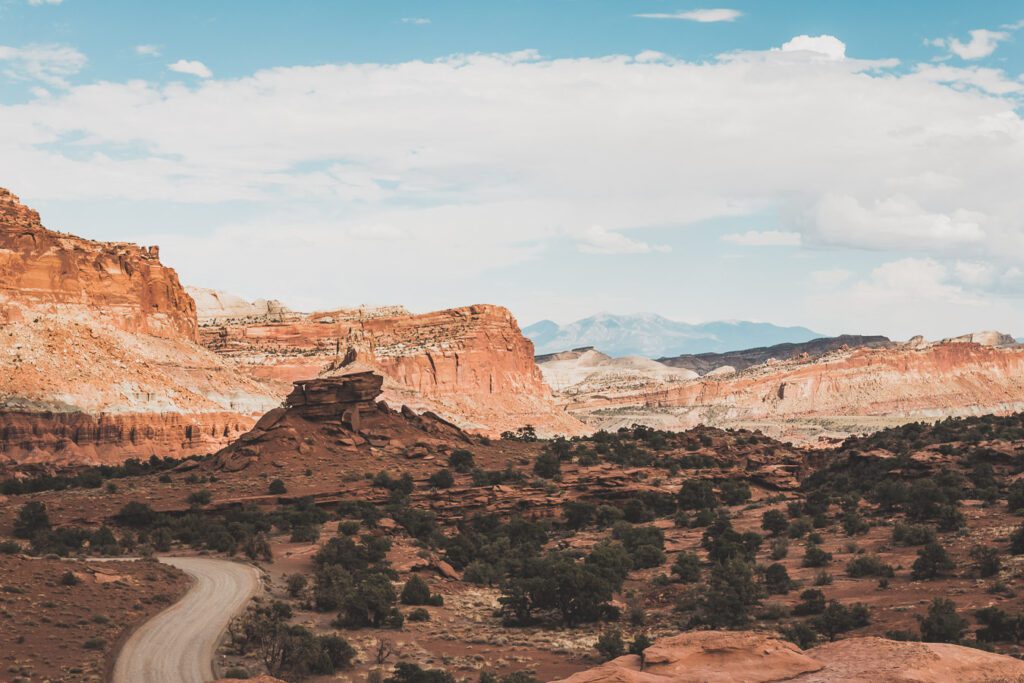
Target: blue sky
{"points": [[850, 167]]}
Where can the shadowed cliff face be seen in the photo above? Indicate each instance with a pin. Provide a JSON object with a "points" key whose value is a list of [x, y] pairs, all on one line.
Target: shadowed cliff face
{"points": [[98, 356]]}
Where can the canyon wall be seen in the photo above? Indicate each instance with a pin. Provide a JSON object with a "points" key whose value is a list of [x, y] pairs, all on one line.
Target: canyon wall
{"points": [[842, 392], [99, 359], [471, 365], [117, 283]]}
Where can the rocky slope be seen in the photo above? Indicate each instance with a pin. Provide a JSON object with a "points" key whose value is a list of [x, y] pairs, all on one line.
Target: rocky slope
{"points": [[214, 306], [98, 353], [471, 364], [841, 392], [703, 363], [735, 656]]}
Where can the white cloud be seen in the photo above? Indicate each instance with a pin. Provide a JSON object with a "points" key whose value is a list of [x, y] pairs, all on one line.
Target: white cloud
{"points": [[478, 161], [704, 16], [829, 46], [418, 21], [892, 222], [37, 3], [974, 274], [147, 50], [982, 43], [49, 64], [764, 238], [598, 240], [191, 67], [831, 277]]}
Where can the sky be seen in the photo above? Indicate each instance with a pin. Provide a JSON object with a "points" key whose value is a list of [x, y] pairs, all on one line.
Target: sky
{"points": [[852, 167]]}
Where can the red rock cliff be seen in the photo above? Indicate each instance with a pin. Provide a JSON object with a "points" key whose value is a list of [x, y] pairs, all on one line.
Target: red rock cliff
{"points": [[124, 283], [98, 356], [470, 364]]}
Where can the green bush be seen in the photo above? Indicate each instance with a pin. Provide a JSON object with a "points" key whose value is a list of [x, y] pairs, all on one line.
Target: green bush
{"points": [[277, 487], [868, 565], [942, 624], [932, 562]]}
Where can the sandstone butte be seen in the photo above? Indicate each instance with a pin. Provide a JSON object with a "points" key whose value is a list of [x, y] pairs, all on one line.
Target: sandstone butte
{"points": [[471, 365], [99, 359], [806, 398], [753, 657]]}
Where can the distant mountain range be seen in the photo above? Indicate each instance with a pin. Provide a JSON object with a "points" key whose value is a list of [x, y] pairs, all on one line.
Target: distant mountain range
{"points": [[650, 335]]}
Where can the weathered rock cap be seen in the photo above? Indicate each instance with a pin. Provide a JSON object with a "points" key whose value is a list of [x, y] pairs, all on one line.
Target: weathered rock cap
{"points": [[330, 397]]}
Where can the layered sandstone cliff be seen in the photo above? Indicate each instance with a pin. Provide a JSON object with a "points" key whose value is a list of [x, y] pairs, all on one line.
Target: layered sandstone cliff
{"points": [[119, 284], [842, 392], [98, 353], [472, 364]]}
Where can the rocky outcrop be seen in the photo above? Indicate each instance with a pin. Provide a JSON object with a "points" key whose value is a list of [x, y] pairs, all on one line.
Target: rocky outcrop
{"points": [[333, 417], [214, 307], [842, 392], [472, 364], [124, 284], [750, 657], [98, 356]]}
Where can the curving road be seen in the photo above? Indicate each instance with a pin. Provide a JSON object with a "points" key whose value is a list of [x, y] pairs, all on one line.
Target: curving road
{"points": [[178, 645]]}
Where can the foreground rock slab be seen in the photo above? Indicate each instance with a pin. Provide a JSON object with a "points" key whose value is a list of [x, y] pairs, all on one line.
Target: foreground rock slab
{"points": [[751, 657]]}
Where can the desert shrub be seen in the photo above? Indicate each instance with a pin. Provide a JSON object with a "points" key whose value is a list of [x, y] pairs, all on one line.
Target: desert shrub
{"points": [[729, 595], [461, 461], [780, 549], [814, 556], [774, 522], [547, 465], [610, 645], [9, 547], [296, 583], [812, 601], [912, 534], [442, 479], [636, 512], [998, 626], [411, 673], [418, 614], [578, 514], [868, 565], [932, 562], [687, 567], [799, 528], [69, 579], [735, 492], [32, 518], [1017, 541], [415, 592], [987, 562], [94, 644], [800, 633], [838, 618], [942, 624], [697, 494], [277, 487], [305, 533], [854, 524], [776, 579]]}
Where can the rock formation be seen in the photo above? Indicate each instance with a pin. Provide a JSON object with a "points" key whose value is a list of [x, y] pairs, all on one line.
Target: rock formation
{"points": [[215, 307], [122, 284], [470, 364], [98, 353], [751, 657], [841, 392], [337, 416]]}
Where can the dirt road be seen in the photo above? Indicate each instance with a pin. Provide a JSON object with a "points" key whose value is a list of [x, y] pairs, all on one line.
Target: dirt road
{"points": [[178, 645]]}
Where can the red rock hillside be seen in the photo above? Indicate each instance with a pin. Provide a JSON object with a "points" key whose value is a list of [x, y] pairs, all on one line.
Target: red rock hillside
{"points": [[841, 392], [471, 365], [98, 353]]}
